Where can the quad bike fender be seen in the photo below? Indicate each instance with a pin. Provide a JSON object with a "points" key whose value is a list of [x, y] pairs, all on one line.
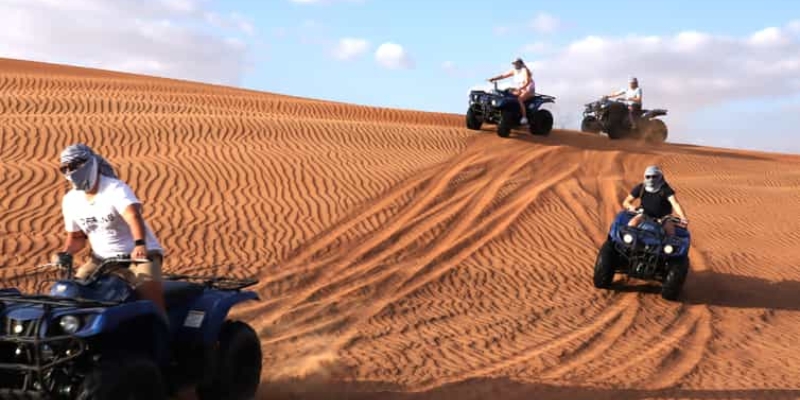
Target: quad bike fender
{"points": [[620, 220], [207, 314], [114, 318], [654, 113], [9, 292]]}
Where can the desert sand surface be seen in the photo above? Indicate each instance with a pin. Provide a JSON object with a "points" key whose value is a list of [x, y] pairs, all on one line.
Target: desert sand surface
{"points": [[402, 256]]}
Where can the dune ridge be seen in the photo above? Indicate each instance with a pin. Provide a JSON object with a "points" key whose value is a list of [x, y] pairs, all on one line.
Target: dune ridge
{"points": [[401, 255]]}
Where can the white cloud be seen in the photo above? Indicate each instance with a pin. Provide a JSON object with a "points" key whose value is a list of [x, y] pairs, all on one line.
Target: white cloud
{"points": [[771, 36], [687, 41], [794, 26], [393, 56], [545, 23], [536, 47], [167, 38], [349, 48], [448, 66], [682, 72]]}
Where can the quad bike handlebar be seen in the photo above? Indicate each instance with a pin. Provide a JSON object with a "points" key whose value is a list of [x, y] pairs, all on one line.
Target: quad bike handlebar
{"points": [[672, 218], [124, 259]]}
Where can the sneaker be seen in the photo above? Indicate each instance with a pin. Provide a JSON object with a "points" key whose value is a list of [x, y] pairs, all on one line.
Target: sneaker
{"points": [[523, 121]]}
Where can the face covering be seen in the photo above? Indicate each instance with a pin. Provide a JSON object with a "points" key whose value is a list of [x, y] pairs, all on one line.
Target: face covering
{"points": [[85, 177], [653, 184]]}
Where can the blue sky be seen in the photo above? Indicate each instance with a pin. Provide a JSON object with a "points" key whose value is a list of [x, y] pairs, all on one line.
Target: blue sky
{"points": [[479, 38], [709, 62]]}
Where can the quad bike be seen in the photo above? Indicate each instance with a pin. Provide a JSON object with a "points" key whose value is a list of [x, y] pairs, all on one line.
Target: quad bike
{"points": [[501, 107], [93, 339], [644, 252], [612, 117]]}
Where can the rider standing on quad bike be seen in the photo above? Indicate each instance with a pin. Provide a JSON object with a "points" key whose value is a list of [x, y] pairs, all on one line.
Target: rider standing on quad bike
{"points": [[633, 98], [657, 200], [526, 87], [104, 209]]}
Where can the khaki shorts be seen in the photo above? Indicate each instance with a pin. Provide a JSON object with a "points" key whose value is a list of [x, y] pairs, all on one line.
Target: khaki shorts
{"points": [[136, 274]]}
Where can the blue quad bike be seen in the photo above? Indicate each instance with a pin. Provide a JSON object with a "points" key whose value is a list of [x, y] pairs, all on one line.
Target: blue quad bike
{"points": [[644, 252], [501, 107], [93, 339]]}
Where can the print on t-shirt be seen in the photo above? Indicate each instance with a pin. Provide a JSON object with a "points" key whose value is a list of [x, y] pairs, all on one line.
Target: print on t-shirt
{"points": [[89, 224]]}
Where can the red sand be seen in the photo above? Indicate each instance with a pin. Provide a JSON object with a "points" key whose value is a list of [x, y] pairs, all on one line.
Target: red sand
{"points": [[399, 251]]}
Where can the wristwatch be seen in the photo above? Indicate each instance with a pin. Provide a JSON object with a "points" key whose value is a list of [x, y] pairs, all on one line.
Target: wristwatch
{"points": [[139, 242]]}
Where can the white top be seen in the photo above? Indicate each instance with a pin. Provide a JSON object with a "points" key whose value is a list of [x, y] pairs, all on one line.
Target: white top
{"points": [[101, 219], [519, 78], [631, 93]]}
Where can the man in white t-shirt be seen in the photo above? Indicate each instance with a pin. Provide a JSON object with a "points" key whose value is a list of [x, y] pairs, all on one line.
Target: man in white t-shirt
{"points": [[633, 98], [104, 210]]}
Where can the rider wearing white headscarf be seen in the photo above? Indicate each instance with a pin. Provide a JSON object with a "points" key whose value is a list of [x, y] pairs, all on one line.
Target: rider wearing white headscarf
{"points": [[103, 209]]}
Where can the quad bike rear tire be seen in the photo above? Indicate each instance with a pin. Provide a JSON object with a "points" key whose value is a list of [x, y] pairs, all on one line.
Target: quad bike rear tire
{"points": [[237, 364], [474, 122], [656, 131], [542, 123], [676, 276], [605, 265]]}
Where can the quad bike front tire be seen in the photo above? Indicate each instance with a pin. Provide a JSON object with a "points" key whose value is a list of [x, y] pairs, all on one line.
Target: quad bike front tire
{"points": [[474, 122], [591, 124], [605, 265], [676, 276], [542, 123], [506, 123], [131, 377], [237, 364]]}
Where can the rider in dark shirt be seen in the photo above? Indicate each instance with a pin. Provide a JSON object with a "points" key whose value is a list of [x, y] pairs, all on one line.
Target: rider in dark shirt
{"points": [[657, 200]]}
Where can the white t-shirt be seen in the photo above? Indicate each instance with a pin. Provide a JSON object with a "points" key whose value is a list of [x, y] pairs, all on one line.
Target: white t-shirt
{"points": [[101, 219], [631, 93], [519, 78]]}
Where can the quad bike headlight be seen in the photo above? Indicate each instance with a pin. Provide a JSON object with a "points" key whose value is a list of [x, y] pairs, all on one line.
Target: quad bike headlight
{"points": [[668, 249], [70, 324], [627, 238]]}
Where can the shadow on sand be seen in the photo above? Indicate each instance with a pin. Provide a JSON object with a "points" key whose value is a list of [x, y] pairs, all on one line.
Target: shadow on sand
{"points": [[724, 290], [738, 291], [498, 388]]}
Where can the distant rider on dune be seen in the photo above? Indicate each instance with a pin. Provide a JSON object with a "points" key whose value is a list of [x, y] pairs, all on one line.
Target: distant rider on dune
{"points": [[657, 200], [526, 87], [633, 98]]}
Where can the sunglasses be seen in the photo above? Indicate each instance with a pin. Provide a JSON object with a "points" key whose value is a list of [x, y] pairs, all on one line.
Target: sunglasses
{"points": [[650, 176], [72, 166]]}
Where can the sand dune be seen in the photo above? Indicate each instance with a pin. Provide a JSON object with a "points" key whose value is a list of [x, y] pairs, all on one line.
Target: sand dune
{"points": [[400, 252]]}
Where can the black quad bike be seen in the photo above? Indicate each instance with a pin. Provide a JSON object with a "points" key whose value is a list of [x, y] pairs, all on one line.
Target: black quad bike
{"points": [[501, 107], [611, 117]]}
